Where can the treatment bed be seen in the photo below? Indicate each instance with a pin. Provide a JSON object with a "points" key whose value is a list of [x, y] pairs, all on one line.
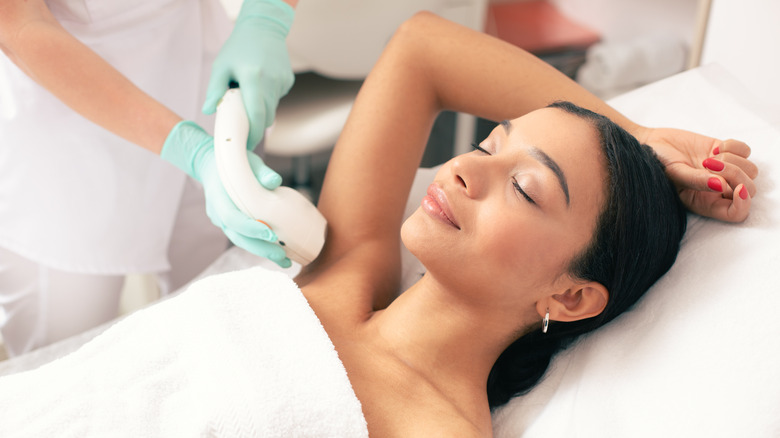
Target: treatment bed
{"points": [[699, 355]]}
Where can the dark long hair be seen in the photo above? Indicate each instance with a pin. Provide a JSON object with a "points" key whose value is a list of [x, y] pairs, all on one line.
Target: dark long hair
{"points": [[636, 241]]}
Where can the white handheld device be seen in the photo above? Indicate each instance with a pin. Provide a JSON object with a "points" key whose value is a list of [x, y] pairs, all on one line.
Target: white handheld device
{"points": [[295, 220]]}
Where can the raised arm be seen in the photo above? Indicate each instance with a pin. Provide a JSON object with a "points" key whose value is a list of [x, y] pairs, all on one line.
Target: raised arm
{"points": [[429, 65], [507, 82], [432, 65]]}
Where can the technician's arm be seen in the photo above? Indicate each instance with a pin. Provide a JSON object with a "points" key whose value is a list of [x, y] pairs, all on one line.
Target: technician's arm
{"points": [[33, 39]]}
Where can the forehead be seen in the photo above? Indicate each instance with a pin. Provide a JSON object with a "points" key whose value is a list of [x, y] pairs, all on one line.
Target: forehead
{"points": [[573, 143], [557, 129], [556, 132]]}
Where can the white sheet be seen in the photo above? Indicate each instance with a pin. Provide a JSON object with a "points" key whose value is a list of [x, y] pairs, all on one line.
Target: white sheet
{"points": [[699, 355], [236, 355]]}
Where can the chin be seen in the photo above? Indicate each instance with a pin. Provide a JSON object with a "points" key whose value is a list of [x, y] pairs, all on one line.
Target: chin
{"points": [[411, 233], [421, 238]]}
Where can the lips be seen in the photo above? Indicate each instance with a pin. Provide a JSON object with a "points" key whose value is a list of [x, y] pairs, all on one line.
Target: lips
{"points": [[436, 205]]}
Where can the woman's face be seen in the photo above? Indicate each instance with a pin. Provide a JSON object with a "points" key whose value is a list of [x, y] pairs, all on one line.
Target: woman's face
{"points": [[511, 218]]}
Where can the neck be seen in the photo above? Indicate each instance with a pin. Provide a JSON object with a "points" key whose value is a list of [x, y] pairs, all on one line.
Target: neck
{"points": [[452, 342]]}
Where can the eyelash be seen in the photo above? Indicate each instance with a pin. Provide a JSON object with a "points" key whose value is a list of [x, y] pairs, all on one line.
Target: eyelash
{"points": [[514, 182], [479, 148]]}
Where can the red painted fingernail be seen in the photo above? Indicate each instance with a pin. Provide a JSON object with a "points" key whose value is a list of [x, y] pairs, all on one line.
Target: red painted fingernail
{"points": [[716, 151], [743, 193], [713, 164], [714, 184]]}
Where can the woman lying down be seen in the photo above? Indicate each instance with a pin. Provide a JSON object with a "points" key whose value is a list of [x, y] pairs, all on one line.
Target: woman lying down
{"points": [[555, 224]]}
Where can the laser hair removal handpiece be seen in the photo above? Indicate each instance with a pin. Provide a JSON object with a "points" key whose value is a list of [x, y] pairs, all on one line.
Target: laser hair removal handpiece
{"points": [[295, 220]]}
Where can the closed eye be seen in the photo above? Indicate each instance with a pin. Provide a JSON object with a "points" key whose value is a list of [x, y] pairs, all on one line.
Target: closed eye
{"points": [[522, 192], [514, 182], [479, 148]]}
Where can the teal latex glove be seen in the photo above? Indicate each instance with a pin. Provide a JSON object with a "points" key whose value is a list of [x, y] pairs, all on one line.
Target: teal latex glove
{"points": [[255, 56], [191, 149]]}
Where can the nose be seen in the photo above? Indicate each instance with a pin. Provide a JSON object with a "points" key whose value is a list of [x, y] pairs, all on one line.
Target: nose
{"points": [[468, 175]]}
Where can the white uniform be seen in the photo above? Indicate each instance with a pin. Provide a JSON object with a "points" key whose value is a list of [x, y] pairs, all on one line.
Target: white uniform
{"points": [[76, 199]]}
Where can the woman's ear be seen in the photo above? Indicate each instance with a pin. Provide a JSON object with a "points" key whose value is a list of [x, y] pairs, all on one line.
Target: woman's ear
{"points": [[580, 301]]}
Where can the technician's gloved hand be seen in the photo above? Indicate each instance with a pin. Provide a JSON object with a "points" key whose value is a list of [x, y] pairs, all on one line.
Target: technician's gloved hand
{"points": [[255, 56], [191, 149]]}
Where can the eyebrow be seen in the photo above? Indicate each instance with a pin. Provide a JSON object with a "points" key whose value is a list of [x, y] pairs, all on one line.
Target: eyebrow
{"points": [[545, 159], [507, 126]]}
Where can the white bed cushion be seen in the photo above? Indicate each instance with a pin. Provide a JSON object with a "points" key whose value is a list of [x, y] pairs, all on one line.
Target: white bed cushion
{"points": [[699, 356]]}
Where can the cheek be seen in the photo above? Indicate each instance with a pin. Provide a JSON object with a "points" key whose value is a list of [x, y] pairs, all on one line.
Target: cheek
{"points": [[533, 253]]}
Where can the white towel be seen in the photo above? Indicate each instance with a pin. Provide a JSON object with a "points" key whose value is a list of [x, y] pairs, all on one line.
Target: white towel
{"points": [[236, 355], [614, 67]]}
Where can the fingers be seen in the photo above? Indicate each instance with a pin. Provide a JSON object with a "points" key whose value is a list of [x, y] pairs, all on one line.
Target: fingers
{"points": [[271, 251], [254, 103], [737, 153], [227, 216], [244, 225], [253, 236], [267, 176], [732, 146], [218, 85], [735, 209], [721, 190], [726, 168], [699, 179], [730, 171]]}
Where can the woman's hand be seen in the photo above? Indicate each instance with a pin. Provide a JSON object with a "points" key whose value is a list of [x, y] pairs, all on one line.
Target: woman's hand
{"points": [[714, 178]]}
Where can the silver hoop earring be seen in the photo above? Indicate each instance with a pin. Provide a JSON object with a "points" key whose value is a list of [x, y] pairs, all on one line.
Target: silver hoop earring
{"points": [[546, 321]]}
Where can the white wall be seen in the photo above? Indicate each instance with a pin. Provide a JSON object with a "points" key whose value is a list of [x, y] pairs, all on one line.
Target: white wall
{"points": [[642, 41], [743, 37], [629, 19]]}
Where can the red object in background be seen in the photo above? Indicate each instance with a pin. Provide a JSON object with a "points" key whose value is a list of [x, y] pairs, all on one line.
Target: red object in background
{"points": [[538, 27]]}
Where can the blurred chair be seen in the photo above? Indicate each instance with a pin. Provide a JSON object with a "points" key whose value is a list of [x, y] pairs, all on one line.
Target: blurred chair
{"points": [[333, 45], [308, 121]]}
